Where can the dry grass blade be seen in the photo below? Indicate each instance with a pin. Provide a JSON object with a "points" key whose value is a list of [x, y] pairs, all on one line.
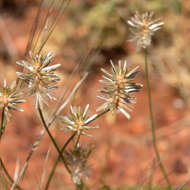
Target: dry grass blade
{"points": [[16, 170], [34, 147], [69, 92], [182, 185], [48, 26], [42, 132], [44, 25], [7, 174], [33, 29], [44, 170], [4, 184], [69, 98]]}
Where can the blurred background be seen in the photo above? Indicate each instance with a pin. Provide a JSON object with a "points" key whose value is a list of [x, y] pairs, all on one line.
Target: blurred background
{"points": [[91, 33]]}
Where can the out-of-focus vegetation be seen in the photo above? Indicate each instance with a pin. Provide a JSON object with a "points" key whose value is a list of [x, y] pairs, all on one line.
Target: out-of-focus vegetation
{"points": [[101, 26], [92, 24], [95, 24]]}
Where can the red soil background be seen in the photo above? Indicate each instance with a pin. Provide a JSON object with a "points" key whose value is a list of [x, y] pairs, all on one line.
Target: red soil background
{"points": [[123, 152]]}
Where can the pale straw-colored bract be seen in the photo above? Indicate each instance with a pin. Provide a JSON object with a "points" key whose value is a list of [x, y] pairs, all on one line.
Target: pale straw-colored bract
{"points": [[118, 87], [40, 76], [143, 28], [77, 161], [10, 97], [78, 120]]}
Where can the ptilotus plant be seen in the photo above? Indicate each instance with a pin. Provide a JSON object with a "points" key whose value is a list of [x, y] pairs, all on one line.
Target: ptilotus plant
{"points": [[143, 28], [77, 160], [40, 79], [118, 87], [9, 98], [78, 120], [39, 75]]}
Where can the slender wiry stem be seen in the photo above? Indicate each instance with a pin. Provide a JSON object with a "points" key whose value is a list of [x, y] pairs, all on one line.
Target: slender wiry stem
{"points": [[51, 137], [152, 124], [98, 115], [57, 161], [3, 122], [69, 98], [80, 186], [25, 165], [42, 132], [7, 173], [77, 141], [63, 148]]}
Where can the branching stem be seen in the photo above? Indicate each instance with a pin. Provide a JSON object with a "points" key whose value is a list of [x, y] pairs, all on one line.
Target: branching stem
{"points": [[3, 123], [152, 124], [7, 174], [57, 161], [51, 137]]}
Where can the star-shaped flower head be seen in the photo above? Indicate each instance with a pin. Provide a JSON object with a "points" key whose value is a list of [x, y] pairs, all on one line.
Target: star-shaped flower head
{"points": [[78, 120], [118, 87], [77, 160], [143, 28], [10, 97], [40, 76]]}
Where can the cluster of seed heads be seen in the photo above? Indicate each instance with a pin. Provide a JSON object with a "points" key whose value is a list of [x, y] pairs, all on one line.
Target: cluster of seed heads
{"points": [[143, 28], [77, 161], [78, 120], [41, 79], [10, 97], [40, 75], [118, 87]]}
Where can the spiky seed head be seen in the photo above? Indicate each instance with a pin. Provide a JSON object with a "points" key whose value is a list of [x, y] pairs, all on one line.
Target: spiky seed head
{"points": [[118, 87], [78, 120], [10, 97], [39, 75], [143, 28], [77, 161]]}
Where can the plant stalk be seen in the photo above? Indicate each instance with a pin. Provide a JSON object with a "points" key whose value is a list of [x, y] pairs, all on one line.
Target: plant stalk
{"points": [[51, 137], [3, 122], [63, 148], [7, 174], [154, 140], [57, 161]]}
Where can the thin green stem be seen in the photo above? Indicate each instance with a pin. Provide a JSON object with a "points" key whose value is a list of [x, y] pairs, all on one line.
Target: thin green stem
{"points": [[77, 141], [63, 148], [98, 115], [152, 124], [51, 137], [57, 161], [7, 174], [3, 122], [80, 186]]}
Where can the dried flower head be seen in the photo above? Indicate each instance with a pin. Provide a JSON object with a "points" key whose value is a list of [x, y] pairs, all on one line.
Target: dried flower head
{"points": [[39, 75], [10, 97], [118, 87], [143, 28], [78, 120], [77, 160]]}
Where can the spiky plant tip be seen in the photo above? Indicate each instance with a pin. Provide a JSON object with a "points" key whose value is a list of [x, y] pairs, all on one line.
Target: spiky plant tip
{"points": [[118, 87], [39, 75], [10, 97], [143, 28], [78, 120], [77, 161]]}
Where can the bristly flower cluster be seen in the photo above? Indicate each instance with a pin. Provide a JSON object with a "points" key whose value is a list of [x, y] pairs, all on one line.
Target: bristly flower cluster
{"points": [[118, 87], [77, 160], [10, 97], [39, 75], [78, 120], [143, 28]]}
